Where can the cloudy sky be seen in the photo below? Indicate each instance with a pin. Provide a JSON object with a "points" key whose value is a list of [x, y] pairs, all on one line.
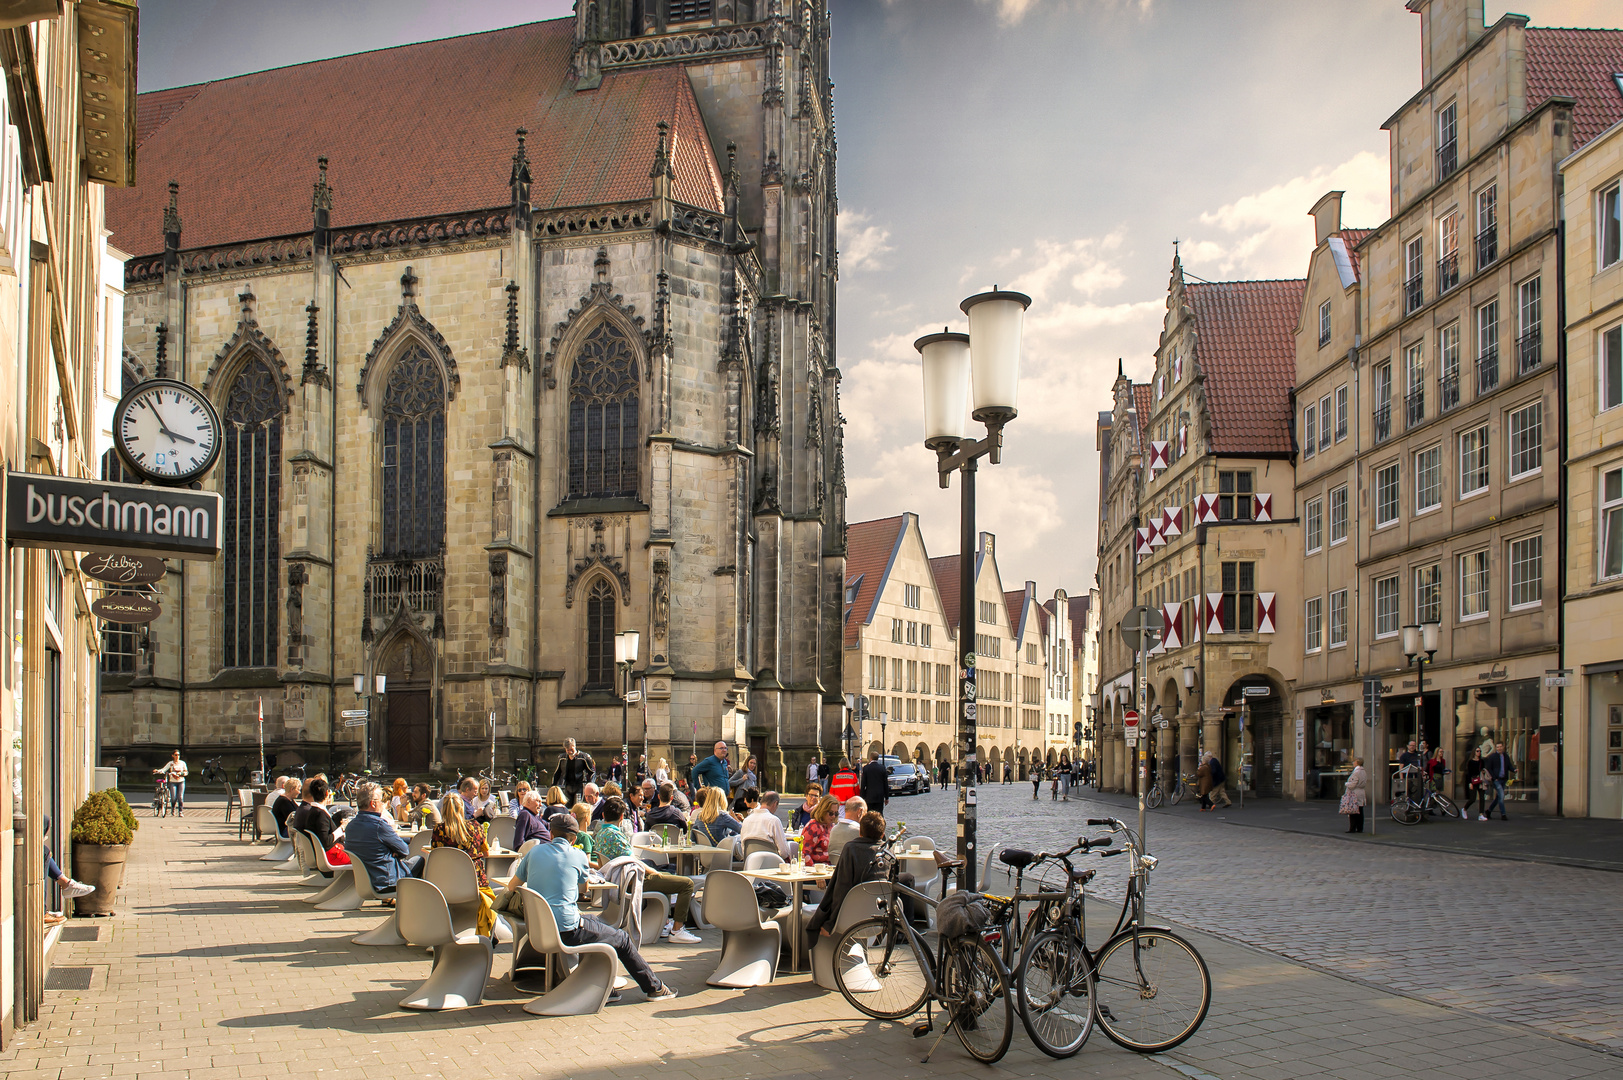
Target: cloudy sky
{"points": [[1054, 146]]}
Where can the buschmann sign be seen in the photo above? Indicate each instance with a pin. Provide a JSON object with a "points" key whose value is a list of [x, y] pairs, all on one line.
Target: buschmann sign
{"points": [[91, 515]]}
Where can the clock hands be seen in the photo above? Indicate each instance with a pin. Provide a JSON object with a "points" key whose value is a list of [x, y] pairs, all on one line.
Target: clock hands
{"points": [[165, 429]]}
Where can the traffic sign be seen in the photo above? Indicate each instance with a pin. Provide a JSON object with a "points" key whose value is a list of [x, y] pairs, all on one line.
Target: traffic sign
{"points": [[633, 696], [1130, 719], [355, 723], [1256, 691], [1160, 721], [1142, 628], [1557, 677], [350, 713]]}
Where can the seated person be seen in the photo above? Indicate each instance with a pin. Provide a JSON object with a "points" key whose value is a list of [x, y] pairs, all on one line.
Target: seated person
{"points": [[555, 800], [713, 824], [845, 829], [680, 800], [556, 871], [763, 823], [468, 791], [612, 843], [484, 804], [583, 839], [518, 798], [864, 859], [611, 790], [287, 801], [591, 795], [664, 813], [70, 889], [609, 836], [814, 834], [803, 812], [529, 824], [399, 799], [315, 817], [634, 809], [373, 841], [459, 831], [423, 813]]}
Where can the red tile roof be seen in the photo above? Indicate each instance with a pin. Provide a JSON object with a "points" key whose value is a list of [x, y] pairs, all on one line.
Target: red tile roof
{"points": [[869, 548], [1247, 351], [1352, 238], [1579, 64], [945, 571], [1015, 602], [1141, 402], [1079, 621], [411, 132]]}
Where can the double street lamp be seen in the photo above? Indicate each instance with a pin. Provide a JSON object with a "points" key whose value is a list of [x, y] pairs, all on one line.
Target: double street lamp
{"points": [[379, 682], [625, 657], [1419, 646], [980, 369]]}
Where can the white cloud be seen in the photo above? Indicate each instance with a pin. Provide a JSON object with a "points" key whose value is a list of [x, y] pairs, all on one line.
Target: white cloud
{"points": [[1269, 233], [861, 244], [1010, 12]]}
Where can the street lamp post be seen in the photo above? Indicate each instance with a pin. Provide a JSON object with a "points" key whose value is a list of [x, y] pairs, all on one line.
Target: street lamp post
{"points": [[379, 682], [625, 656], [1419, 645], [981, 367]]}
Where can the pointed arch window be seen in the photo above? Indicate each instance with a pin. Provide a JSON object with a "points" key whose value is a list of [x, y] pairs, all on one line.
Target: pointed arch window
{"points": [[603, 442], [600, 623], [252, 475], [414, 457]]}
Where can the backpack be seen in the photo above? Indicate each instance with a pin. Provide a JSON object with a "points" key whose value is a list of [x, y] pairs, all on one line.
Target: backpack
{"points": [[1217, 773]]}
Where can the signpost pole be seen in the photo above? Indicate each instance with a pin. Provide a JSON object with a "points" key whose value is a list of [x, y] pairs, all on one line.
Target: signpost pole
{"points": [[1143, 744], [967, 719], [261, 738]]}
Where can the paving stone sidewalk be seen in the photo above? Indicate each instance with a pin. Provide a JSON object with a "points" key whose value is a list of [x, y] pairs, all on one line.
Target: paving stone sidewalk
{"points": [[214, 969]]}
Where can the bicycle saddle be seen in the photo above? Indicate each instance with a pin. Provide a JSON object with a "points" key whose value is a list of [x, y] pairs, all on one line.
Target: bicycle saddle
{"points": [[1082, 877], [1015, 857]]}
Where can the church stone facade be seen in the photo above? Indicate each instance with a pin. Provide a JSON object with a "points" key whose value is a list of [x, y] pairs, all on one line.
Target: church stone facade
{"points": [[521, 340]]}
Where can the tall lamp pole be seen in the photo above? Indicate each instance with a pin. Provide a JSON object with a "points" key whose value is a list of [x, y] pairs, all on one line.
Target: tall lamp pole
{"points": [[981, 367], [1419, 646], [625, 657], [378, 681]]}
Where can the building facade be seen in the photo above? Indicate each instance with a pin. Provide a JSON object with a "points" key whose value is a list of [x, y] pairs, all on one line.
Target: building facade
{"points": [[493, 400], [1084, 682]]}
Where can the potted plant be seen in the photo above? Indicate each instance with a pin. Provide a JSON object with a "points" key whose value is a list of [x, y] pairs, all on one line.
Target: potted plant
{"points": [[101, 843], [124, 810]]}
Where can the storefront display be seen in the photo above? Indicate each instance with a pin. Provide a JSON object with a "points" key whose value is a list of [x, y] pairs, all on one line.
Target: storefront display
{"points": [[1506, 713], [1329, 750]]}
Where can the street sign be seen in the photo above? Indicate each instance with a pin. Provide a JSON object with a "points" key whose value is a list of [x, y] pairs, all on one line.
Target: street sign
{"points": [[355, 723], [1142, 628], [1557, 677], [1129, 719], [1161, 722], [126, 608], [1256, 691], [969, 660], [633, 696], [348, 714]]}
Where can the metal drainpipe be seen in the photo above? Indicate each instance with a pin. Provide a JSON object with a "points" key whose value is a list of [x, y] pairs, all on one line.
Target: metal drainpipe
{"points": [[1561, 501]]}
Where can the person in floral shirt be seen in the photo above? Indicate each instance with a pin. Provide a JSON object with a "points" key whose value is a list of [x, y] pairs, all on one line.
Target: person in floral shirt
{"points": [[814, 836], [610, 840]]}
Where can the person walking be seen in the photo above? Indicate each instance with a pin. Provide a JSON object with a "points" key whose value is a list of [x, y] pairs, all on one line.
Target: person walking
{"points": [[574, 771], [1498, 769], [1220, 778], [1355, 796], [1476, 790], [1203, 783], [713, 771], [174, 774], [1036, 779], [874, 784]]}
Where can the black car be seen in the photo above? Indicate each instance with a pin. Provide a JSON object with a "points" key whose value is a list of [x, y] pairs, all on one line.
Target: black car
{"points": [[907, 779]]}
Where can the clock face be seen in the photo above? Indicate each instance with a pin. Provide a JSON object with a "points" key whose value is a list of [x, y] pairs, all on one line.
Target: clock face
{"points": [[167, 431]]}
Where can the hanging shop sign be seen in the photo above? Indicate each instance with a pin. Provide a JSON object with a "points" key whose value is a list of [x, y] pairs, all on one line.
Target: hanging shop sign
{"points": [[49, 511], [116, 568], [126, 608]]}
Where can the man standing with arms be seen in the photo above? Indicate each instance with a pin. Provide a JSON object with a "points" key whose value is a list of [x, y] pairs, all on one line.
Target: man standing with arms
{"points": [[713, 771], [875, 783], [1498, 768], [174, 774], [573, 771]]}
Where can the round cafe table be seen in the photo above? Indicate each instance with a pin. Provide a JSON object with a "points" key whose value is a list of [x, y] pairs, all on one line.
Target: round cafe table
{"points": [[796, 879]]}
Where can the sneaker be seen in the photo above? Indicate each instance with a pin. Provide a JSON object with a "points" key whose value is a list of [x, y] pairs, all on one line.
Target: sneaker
{"points": [[665, 931], [75, 889], [682, 936], [1482, 817], [614, 998], [664, 993]]}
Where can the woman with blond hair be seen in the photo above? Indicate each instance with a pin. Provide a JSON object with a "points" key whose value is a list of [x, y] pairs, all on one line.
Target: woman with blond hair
{"points": [[662, 771], [583, 818], [556, 800], [713, 822], [814, 834], [455, 830]]}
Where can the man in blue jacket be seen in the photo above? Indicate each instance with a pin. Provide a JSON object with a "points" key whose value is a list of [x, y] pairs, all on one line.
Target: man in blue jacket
{"points": [[713, 771], [373, 842]]}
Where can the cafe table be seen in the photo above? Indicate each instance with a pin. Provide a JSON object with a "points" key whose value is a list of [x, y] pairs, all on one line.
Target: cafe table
{"points": [[683, 857], [796, 878]]}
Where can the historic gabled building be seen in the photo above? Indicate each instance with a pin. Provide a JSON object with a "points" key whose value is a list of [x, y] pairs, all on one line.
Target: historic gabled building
{"points": [[1121, 446], [1084, 667], [1459, 380], [995, 663], [522, 339], [1204, 531]]}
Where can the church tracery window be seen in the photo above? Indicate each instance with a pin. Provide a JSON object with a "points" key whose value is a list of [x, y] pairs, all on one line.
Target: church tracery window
{"points": [[603, 417], [414, 457], [600, 624], [252, 483]]}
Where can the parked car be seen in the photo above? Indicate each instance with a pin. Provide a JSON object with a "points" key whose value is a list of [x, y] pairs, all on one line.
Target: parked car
{"points": [[907, 779]]}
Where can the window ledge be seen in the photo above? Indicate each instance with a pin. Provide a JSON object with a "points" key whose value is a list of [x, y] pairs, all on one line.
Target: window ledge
{"points": [[572, 507], [591, 699]]}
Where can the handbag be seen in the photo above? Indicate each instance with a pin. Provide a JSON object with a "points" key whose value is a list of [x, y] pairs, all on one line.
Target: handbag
{"points": [[768, 895], [1347, 806]]}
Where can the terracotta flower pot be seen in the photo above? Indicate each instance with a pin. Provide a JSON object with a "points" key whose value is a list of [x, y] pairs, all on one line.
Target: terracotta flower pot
{"points": [[101, 865]]}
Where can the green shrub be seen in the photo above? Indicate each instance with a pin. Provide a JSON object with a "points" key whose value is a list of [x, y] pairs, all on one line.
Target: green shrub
{"points": [[124, 810], [98, 821]]}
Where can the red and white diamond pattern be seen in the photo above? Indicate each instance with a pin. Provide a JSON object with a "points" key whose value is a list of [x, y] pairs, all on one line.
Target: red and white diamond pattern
{"points": [[1265, 613]]}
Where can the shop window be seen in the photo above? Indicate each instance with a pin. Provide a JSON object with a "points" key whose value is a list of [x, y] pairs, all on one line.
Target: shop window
{"points": [[1507, 714], [1331, 750]]}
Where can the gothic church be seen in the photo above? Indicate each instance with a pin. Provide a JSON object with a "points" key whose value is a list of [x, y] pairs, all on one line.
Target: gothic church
{"points": [[521, 339]]}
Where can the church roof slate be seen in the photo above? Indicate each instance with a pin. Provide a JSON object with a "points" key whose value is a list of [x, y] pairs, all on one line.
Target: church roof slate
{"points": [[1246, 348], [870, 548], [1581, 64], [416, 131]]}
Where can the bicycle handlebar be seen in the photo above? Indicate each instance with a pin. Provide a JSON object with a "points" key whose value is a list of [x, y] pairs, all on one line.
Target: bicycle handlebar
{"points": [[1103, 821]]}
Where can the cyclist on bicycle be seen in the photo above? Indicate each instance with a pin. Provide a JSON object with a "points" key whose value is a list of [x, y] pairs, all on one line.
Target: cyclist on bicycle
{"points": [[1411, 756], [862, 859]]}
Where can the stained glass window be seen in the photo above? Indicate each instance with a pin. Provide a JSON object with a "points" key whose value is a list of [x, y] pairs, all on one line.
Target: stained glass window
{"points": [[599, 637], [414, 457], [251, 469], [603, 417]]}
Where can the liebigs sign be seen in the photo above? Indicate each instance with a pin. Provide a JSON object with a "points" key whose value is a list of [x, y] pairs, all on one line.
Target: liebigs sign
{"points": [[92, 515]]}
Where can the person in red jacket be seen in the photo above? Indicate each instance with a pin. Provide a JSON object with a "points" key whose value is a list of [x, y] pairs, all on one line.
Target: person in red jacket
{"points": [[844, 783]]}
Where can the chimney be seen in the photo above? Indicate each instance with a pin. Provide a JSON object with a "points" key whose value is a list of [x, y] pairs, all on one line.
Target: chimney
{"points": [[1447, 29], [1326, 216]]}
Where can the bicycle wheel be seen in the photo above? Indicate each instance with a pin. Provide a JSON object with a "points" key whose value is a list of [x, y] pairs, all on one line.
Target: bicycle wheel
{"points": [[975, 993], [878, 971], [1446, 805], [1178, 792], [1151, 990], [1405, 812], [1154, 797], [1054, 988]]}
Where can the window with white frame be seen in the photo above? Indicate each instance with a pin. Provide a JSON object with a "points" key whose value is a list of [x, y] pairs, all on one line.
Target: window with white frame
{"points": [[1611, 524], [1338, 618], [1526, 439], [1609, 227], [1448, 366], [1527, 572], [924, 635], [1386, 606], [1324, 324], [1310, 430], [1428, 479], [912, 596], [1414, 262], [1448, 147], [876, 672], [1324, 422], [1487, 347], [1529, 325], [1487, 226], [1381, 408], [1611, 368], [1338, 515], [1414, 384], [1428, 593], [1386, 494], [912, 633], [1315, 624], [1313, 516], [1474, 461], [897, 630], [1474, 585], [1341, 413], [1448, 251]]}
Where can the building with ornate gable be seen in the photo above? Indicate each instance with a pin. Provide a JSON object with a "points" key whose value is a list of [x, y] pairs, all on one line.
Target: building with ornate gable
{"points": [[522, 339]]}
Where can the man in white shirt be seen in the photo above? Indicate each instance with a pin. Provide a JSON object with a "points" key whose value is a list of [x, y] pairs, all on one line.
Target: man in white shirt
{"points": [[765, 824], [846, 829]]}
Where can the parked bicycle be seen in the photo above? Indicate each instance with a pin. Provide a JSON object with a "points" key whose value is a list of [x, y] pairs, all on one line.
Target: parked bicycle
{"points": [[213, 771], [1413, 798], [1158, 794], [884, 967]]}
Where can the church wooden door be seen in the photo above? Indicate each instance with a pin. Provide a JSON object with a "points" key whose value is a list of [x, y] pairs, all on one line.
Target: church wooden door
{"points": [[409, 742]]}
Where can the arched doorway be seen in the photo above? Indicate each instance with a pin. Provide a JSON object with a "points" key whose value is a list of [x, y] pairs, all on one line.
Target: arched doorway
{"points": [[406, 729], [1253, 740], [899, 751], [994, 765]]}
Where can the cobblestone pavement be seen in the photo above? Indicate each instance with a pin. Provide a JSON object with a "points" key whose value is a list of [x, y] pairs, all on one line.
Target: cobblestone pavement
{"points": [[1524, 942], [214, 969]]}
